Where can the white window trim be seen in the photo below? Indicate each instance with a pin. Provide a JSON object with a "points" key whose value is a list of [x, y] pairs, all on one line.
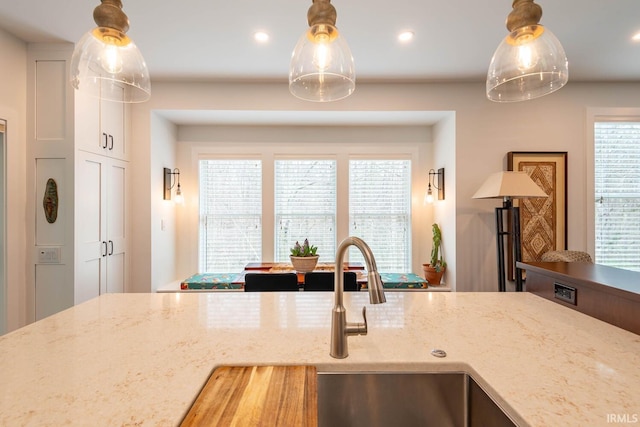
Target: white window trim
{"points": [[342, 152], [597, 115]]}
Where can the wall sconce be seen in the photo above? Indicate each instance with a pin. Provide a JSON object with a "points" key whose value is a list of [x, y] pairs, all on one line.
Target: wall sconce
{"points": [[428, 197], [170, 182], [106, 63]]}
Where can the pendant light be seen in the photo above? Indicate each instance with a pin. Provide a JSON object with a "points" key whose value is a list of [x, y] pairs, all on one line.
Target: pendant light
{"points": [[106, 63], [530, 62], [322, 67]]}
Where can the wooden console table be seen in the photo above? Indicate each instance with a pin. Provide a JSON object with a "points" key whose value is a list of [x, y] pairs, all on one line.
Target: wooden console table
{"points": [[606, 293]]}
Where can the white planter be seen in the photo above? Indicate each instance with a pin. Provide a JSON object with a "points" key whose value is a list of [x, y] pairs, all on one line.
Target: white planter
{"points": [[303, 264]]}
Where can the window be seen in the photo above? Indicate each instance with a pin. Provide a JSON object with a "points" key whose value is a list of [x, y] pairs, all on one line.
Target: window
{"points": [[305, 206], [230, 214], [617, 194], [380, 211], [255, 210]]}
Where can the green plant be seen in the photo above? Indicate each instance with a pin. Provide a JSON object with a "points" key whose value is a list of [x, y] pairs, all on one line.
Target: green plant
{"points": [[437, 261], [305, 250]]}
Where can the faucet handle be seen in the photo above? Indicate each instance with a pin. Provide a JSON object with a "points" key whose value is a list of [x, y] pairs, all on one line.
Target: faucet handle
{"points": [[358, 328], [364, 316]]}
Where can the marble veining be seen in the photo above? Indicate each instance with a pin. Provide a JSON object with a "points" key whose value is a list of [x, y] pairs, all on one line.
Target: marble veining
{"points": [[141, 359]]}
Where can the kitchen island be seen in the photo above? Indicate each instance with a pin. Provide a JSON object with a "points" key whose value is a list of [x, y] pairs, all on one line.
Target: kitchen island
{"points": [[141, 359]]}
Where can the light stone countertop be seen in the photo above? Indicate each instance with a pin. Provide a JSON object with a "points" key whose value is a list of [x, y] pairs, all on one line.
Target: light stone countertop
{"points": [[141, 359]]}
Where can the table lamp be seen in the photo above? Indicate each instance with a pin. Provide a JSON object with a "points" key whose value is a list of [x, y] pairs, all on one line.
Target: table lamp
{"points": [[507, 186]]}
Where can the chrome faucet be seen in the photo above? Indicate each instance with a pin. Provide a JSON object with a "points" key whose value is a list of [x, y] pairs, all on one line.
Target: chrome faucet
{"points": [[340, 328]]}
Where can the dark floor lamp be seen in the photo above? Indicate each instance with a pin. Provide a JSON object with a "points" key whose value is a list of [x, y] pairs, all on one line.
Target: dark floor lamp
{"points": [[508, 186]]}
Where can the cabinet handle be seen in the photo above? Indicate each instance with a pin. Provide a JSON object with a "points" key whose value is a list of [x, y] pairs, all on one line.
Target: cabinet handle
{"points": [[105, 249], [104, 134], [110, 247], [111, 140]]}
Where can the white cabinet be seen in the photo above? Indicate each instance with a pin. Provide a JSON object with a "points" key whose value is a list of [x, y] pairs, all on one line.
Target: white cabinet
{"points": [[101, 226], [79, 141], [100, 126], [101, 262]]}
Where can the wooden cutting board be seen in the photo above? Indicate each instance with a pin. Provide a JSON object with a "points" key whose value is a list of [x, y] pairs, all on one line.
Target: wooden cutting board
{"points": [[257, 396]]}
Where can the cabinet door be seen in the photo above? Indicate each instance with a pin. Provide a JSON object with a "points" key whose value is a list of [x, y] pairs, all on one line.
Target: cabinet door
{"points": [[99, 126], [117, 226], [88, 136], [112, 128], [90, 225]]}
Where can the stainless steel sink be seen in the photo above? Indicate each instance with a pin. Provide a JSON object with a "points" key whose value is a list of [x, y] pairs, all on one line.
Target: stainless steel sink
{"points": [[405, 399]]}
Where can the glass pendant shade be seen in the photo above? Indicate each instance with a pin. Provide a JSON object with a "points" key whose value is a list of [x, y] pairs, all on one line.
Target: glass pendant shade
{"points": [[322, 67], [428, 196], [179, 199], [529, 63], [108, 65]]}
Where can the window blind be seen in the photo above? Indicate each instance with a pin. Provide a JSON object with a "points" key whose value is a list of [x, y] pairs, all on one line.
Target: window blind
{"points": [[305, 206], [230, 214], [380, 211], [617, 194]]}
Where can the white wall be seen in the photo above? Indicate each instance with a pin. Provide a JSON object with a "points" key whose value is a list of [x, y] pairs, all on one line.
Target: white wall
{"points": [[164, 227], [13, 101], [556, 122], [444, 156], [484, 133], [197, 142]]}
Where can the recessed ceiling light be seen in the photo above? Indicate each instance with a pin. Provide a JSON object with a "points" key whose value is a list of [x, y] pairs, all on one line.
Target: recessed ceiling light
{"points": [[261, 36], [636, 37], [405, 36]]}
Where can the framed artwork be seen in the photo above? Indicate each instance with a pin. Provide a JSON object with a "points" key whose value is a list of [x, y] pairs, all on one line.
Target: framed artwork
{"points": [[543, 221]]}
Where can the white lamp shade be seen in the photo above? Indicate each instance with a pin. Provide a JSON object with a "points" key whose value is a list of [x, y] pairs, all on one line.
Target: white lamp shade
{"points": [[322, 68], [509, 184], [114, 70], [529, 63]]}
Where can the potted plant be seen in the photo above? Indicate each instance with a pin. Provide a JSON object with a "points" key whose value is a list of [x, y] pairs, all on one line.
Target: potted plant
{"points": [[435, 269], [304, 258]]}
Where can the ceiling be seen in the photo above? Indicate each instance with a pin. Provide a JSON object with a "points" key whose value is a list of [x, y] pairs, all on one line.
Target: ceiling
{"points": [[212, 40], [454, 39]]}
